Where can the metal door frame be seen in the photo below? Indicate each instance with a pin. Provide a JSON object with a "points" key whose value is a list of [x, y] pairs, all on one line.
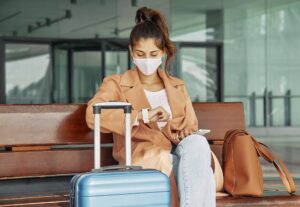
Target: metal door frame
{"points": [[81, 45]]}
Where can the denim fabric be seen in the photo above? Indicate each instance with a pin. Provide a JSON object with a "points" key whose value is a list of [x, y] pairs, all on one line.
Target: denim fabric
{"points": [[191, 160]]}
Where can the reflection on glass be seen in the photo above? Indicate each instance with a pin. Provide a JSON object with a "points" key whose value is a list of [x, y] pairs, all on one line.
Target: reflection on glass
{"points": [[27, 74], [295, 118], [86, 75], [198, 70], [259, 112], [261, 57], [116, 62], [195, 22], [60, 93], [283, 49], [277, 112]]}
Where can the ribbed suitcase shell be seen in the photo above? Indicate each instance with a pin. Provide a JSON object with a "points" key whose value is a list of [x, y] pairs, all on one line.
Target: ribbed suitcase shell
{"points": [[126, 188]]}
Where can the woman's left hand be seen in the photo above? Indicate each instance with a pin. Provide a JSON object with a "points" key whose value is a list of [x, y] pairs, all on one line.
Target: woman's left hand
{"points": [[184, 133]]}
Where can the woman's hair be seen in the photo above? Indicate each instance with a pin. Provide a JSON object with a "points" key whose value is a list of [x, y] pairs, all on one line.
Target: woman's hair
{"points": [[152, 24]]}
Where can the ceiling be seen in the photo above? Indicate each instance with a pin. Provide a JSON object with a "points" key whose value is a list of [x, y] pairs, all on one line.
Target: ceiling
{"points": [[94, 18]]}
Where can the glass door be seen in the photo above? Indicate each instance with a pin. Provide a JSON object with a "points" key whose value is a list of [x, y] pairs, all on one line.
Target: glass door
{"points": [[86, 75], [81, 65], [27, 70], [60, 87], [117, 57], [200, 66]]}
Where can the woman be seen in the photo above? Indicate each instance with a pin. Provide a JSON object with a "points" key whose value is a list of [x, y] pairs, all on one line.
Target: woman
{"points": [[162, 118]]}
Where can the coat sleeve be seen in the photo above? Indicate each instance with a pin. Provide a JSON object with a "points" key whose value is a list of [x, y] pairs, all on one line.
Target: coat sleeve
{"points": [[188, 121], [112, 120]]}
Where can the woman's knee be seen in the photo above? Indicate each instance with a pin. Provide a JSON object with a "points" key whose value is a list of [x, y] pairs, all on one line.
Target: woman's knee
{"points": [[195, 143]]}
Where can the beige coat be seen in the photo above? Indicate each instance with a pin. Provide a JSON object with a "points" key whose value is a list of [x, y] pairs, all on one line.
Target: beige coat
{"points": [[150, 146]]}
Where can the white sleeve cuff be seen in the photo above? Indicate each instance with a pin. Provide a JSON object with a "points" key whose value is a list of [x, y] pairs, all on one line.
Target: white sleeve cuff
{"points": [[136, 122]]}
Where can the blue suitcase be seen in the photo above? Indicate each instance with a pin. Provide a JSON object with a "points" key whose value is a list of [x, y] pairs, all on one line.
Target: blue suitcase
{"points": [[118, 186]]}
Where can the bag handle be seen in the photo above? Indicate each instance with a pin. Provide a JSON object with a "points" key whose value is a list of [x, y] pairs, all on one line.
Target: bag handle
{"points": [[264, 151]]}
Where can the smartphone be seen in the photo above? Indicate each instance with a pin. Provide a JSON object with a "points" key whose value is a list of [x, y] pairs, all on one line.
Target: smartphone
{"points": [[201, 131]]}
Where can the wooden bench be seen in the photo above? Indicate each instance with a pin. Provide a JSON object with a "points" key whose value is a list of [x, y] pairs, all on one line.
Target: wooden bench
{"points": [[42, 146]]}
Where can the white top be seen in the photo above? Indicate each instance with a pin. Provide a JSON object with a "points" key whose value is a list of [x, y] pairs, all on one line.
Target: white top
{"points": [[158, 98]]}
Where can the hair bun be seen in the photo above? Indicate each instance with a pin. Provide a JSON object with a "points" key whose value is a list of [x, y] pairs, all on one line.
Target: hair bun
{"points": [[143, 14]]}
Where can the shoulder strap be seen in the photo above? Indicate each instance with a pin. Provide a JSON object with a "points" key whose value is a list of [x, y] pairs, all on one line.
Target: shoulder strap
{"points": [[264, 151]]}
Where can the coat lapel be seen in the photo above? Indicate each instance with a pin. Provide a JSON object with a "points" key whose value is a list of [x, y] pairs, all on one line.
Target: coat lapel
{"points": [[133, 90], [134, 93], [175, 96]]}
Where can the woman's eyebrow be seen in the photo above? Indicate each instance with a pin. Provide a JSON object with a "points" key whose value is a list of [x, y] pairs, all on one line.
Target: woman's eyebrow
{"points": [[143, 51]]}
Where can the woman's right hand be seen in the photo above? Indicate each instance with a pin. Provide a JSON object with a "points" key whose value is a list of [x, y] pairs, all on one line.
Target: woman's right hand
{"points": [[158, 114]]}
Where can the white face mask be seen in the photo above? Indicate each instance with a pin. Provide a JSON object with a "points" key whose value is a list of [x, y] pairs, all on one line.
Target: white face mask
{"points": [[147, 65]]}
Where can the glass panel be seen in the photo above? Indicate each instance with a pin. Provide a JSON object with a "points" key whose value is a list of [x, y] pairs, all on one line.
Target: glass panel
{"points": [[277, 112], [199, 72], [27, 74], [205, 20], [283, 46], [86, 75], [259, 112], [246, 104], [60, 93], [245, 54], [261, 48], [295, 118], [116, 62]]}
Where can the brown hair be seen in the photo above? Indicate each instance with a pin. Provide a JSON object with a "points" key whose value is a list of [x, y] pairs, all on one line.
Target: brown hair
{"points": [[151, 23]]}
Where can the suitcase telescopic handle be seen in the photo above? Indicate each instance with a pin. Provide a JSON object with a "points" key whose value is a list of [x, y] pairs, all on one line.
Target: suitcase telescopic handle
{"points": [[97, 146], [112, 105]]}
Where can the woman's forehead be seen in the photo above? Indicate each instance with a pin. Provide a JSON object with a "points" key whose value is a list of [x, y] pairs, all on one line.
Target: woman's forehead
{"points": [[146, 45]]}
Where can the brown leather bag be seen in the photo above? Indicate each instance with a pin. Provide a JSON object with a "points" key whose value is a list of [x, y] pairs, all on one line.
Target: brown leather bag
{"points": [[241, 165]]}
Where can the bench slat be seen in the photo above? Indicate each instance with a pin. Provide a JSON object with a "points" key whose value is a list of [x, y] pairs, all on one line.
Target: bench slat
{"points": [[43, 200], [45, 125], [219, 118], [53, 162], [28, 148]]}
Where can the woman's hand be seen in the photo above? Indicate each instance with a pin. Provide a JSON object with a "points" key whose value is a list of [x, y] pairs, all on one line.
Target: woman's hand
{"points": [[158, 114], [184, 133]]}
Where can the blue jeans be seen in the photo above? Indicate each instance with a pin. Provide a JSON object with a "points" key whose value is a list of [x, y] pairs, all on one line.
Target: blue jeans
{"points": [[192, 169]]}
